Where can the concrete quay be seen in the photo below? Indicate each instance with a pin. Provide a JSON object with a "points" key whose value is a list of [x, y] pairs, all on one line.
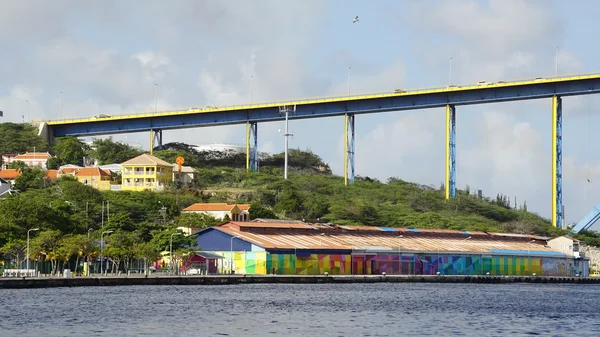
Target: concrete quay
{"points": [[20, 283]]}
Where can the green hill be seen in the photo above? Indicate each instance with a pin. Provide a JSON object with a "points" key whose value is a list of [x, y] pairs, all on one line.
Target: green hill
{"points": [[310, 193]]}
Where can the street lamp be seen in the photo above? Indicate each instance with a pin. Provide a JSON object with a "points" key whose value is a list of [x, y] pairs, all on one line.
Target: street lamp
{"points": [[101, 251], [89, 230], [29, 111], [171, 251], [27, 257]]}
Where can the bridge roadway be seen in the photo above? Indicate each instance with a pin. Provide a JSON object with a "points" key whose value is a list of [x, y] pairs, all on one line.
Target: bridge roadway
{"points": [[328, 107], [349, 106]]}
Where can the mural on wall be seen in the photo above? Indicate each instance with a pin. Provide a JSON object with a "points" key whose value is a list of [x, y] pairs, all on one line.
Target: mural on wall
{"points": [[313, 264], [394, 264], [244, 262]]}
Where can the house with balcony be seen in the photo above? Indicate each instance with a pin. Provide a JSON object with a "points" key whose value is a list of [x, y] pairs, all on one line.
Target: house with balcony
{"points": [[145, 172]]}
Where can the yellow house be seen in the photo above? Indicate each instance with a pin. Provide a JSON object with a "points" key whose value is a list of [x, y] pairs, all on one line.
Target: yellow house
{"points": [[95, 177], [145, 172]]}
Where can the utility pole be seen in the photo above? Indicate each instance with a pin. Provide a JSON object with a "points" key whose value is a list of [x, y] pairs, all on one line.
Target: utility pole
{"points": [[349, 80], [102, 221], [155, 98], [450, 73], [556, 61]]}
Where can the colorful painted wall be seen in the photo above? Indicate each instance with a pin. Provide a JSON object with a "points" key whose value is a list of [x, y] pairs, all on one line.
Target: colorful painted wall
{"points": [[394, 264], [244, 262]]}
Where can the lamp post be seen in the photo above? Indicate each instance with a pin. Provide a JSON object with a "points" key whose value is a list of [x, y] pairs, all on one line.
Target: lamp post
{"points": [[28, 110], [349, 80], [89, 230], [450, 73], [102, 251], [27, 256], [171, 251]]}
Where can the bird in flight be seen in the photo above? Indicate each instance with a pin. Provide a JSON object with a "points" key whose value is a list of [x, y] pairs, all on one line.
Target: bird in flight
{"points": [[355, 19]]}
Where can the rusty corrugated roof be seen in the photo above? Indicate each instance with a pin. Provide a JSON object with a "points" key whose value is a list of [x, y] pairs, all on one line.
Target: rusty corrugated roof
{"points": [[313, 236]]}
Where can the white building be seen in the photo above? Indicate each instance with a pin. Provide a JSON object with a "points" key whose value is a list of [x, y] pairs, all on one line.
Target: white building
{"points": [[235, 212], [185, 176], [34, 159], [565, 244]]}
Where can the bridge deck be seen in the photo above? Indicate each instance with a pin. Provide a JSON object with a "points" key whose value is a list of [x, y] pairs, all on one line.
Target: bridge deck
{"points": [[332, 106]]}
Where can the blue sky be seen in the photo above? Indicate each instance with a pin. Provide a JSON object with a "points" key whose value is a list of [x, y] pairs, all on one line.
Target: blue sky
{"points": [[105, 58]]}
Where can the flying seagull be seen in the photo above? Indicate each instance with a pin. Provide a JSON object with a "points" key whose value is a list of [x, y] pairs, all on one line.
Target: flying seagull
{"points": [[355, 19]]}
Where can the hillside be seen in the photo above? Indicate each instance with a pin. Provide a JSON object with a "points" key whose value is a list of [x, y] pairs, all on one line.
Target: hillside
{"points": [[311, 192]]}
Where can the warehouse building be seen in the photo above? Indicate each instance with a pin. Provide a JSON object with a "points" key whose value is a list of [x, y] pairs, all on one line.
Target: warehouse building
{"points": [[296, 248]]}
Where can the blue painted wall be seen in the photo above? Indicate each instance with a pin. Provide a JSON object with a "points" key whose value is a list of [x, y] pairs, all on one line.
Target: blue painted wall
{"points": [[214, 240]]}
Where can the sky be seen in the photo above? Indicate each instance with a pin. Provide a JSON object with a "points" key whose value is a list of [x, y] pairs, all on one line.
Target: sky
{"points": [[68, 58]]}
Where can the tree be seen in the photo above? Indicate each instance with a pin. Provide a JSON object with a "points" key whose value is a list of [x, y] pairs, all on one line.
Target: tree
{"points": [[196, 220], [147, 252], [15, 250], [17, 165], [162, 240], [108, 152], [31, 177], [20, 138], [259, 211], [70, 150]]}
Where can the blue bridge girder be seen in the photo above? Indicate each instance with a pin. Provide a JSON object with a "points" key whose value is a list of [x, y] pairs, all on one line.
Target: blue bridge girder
{"points": [[588, 220], [330, 107]]}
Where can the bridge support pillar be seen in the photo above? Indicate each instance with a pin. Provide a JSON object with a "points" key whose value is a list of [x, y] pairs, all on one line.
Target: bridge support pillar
{"points": [[450, 183], [252, 146], [557, 208], [349, 149], [155, 139]]}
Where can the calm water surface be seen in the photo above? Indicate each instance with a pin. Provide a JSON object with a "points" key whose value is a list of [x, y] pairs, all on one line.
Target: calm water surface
{"points": [[304, 310]]}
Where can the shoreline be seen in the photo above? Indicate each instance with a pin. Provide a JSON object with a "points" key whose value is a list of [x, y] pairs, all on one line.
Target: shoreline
{"points": [[27, 283]]}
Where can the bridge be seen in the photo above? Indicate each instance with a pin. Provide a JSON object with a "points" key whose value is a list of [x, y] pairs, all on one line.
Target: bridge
{"points": [[349, 106]]}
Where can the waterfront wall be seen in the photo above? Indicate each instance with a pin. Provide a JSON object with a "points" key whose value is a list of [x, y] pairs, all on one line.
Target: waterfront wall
{"points": [[398, 264], [20, 283]]}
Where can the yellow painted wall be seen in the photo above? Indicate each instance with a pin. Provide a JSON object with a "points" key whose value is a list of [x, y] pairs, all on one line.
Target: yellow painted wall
{"points": [[95, 182], [128, 172]]}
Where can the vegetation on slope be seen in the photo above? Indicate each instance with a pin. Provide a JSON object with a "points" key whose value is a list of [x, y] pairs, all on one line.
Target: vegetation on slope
{"points": [[310, 193]]}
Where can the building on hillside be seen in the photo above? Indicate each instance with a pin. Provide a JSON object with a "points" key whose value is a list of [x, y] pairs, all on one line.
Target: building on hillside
{"points": [[185, 176], [5, 188], [115, 168], [566, 244], [313, 249], [68, 170], [94, 177], [7, 158], [146, 172], [51, 174], [34, 159], [10, 175], [235, 212]]}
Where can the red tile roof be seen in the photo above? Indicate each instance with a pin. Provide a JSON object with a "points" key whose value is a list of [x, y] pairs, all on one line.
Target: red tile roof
{"points": [[32, 155], [208, 207], [10, 174], [92, 172], [52, 174]]}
